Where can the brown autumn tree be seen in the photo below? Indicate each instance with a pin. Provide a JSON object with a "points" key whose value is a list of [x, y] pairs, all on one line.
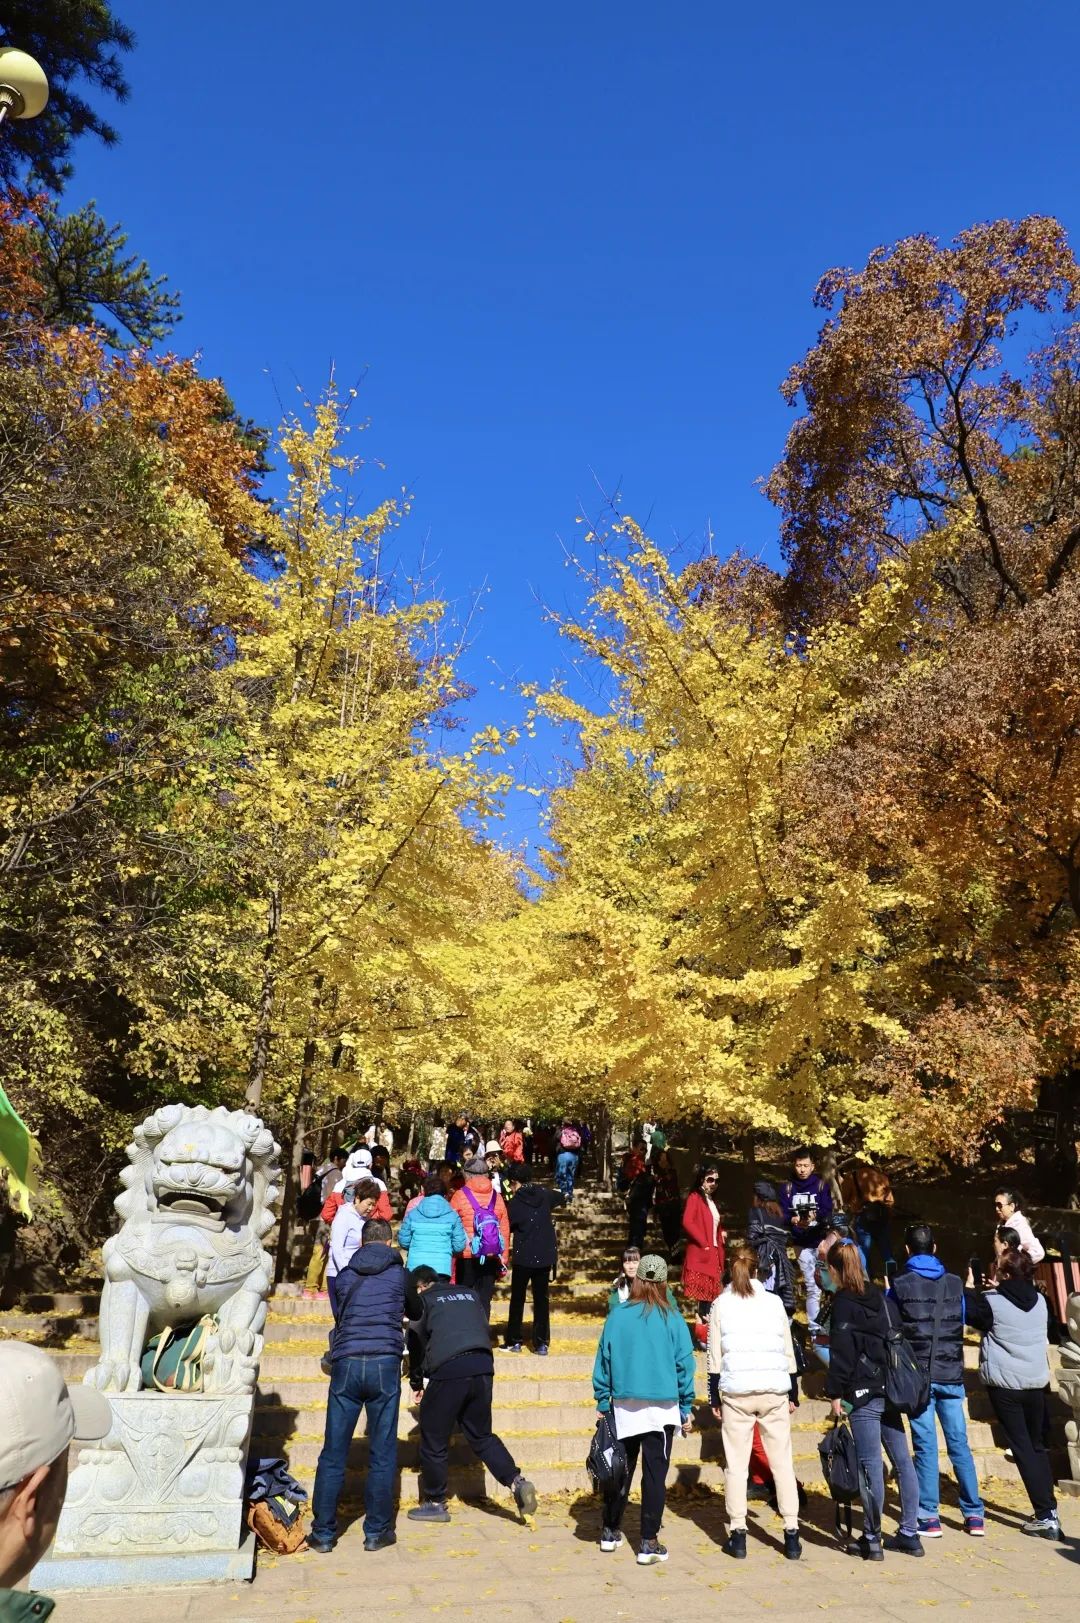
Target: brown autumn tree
{"points": [[923, 404], [930, 446]]}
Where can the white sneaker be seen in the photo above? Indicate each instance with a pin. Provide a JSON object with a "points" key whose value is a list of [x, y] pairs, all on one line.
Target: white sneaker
{"points": [[610, 1539]]}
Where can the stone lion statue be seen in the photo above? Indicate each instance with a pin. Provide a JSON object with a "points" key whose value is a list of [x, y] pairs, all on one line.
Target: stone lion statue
{"points": [[1068, 1382], [199, 1199]]}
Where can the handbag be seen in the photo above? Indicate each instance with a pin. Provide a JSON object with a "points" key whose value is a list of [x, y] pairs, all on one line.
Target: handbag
{"points": [[839, 1460], [606, 1461], [281, 1537], [276, 1509]]}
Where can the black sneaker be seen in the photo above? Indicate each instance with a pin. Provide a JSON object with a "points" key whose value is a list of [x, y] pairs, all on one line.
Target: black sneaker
{"points": [[610, 1539], [735, 1543], [383, 1542], [319, 1547], [430, 1510], [651, 1552], [792, 1544], [524, 1496], [869, 1548], [905, 1544]]}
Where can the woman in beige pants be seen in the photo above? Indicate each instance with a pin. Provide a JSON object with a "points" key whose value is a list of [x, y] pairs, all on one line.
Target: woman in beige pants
{"points": [[752, 1382]]}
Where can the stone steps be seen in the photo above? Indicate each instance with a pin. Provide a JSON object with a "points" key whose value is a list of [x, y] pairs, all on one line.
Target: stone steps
{"points": [[543, 1408], [551, 1426]]}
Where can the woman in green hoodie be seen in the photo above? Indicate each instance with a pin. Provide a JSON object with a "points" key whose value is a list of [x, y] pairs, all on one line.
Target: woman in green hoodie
{"points": [[644, 1378]]}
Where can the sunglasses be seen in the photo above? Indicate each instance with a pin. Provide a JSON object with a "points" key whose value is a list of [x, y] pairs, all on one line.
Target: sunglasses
{"points": [[710, 1180]]}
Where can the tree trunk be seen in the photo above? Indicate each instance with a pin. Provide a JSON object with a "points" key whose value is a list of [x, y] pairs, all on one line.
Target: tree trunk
{"points": [[260, 1053], [603, 1144], [1057, 1163], [287, 1226], [748, 1145]]}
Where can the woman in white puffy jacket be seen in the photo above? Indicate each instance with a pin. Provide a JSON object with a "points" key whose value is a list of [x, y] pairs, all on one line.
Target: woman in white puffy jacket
{"points": [[752, 1382]]}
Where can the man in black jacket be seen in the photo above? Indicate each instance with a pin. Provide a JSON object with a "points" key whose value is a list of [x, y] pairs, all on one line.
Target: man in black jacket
{"points": [[931, 1304], [536, 1249], [454, 1333], [366, 1373]]}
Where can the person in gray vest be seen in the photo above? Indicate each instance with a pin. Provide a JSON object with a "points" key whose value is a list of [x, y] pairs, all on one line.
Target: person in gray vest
{"points": [[1015, 1370], [931, 1305]]}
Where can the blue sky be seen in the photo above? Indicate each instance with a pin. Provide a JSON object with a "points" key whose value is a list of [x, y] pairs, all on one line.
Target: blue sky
{"points": [[565, 247]]}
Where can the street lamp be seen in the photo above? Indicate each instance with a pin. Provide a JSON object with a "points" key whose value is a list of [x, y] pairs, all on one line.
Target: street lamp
{"points": [[24, 89]]}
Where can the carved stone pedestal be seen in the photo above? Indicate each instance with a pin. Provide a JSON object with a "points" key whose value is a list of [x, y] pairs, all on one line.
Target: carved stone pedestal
{"points": [[160, 1500], [1068, 1385]]}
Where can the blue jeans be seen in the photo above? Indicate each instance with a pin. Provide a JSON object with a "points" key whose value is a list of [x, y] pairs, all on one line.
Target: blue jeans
{"points": [[566, 1171], [869, 1231], [873, 1429], [356, 1383], [947, 1405]]}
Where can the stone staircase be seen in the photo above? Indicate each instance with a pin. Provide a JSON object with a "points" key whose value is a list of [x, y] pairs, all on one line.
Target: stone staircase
{"points": [[543, 1407]]}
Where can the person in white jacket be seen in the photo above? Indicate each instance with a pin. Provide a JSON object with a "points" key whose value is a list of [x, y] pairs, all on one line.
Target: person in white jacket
{"points": [[347, 1231], [752, 1382], [1009, 1216]]}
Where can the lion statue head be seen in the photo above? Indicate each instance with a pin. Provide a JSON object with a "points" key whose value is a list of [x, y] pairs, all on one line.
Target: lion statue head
{"points": [[209, 1168]]}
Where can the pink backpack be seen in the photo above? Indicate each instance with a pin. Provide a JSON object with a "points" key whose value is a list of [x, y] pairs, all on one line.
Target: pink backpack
{"points": [[570, 1139]]}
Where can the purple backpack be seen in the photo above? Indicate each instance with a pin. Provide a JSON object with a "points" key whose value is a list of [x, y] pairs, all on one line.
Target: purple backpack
{"points": [[487, 1235]]}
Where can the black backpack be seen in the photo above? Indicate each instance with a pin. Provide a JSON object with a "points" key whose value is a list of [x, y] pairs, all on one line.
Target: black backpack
{"points": [[907, 1384], [309, 1202]]}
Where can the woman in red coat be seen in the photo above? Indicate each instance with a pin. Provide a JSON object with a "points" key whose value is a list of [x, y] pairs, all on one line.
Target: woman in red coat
{"points": [[703, 1264]]}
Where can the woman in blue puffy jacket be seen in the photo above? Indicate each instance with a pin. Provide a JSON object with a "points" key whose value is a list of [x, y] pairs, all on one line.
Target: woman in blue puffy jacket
{"points": [[432, 1232]]}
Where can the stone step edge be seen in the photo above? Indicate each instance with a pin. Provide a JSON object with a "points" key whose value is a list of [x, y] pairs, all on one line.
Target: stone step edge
{"points": [[988, 1472]]}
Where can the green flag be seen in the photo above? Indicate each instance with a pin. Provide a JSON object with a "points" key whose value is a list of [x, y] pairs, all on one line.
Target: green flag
{"points": [[18, 1154]]}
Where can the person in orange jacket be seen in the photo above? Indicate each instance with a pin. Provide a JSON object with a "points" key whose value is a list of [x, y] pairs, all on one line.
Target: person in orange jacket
{"points": [[481, 1209], [356, 1167], [512, 1141]]}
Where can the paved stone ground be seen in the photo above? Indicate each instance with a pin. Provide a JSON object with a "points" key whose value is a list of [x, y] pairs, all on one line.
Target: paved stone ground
{"points": [[489, 1567]]}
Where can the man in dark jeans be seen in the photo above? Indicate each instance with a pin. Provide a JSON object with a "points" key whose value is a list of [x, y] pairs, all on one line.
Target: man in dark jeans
{"points": [[535, 1245], [365, 1373], [453, 1330]]}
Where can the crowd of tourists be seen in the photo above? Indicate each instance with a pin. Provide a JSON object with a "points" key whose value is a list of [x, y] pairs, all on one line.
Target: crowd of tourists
{"points": [[478, 1210], [475, 1215]]}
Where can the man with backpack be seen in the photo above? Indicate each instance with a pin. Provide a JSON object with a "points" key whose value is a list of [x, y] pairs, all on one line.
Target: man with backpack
{"points": [[365, 1358], [567, 1156], [453, 1332], [931, 1307], [487, 1232]]}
